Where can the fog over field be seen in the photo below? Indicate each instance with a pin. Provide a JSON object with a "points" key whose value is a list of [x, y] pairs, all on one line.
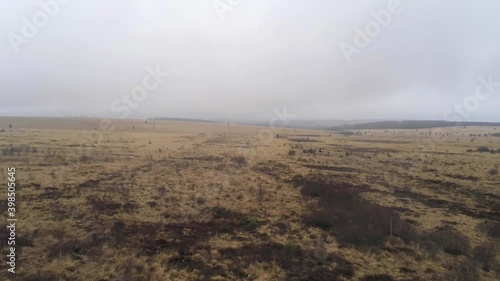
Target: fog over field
{"points": [[326, 59]]}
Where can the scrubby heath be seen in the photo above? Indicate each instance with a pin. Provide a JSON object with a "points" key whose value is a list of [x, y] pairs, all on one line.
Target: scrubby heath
{"points": [[199, 201]]}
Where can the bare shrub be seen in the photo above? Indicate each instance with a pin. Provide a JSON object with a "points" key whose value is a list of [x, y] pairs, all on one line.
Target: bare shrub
{"points": [[261, 193], [64, 247], [239, 160], [292, 152], [309, 151], [450, 241], [201, 200], [490, 228], [465, 271], [117, 232], [103, 206], [84, 158], [484, 255], [108, 159], [161, 191], [493, 172], [483, 149]]}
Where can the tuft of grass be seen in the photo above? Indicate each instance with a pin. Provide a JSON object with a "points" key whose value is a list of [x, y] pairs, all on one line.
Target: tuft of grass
{"points": [[239, 160], [249, 223]]}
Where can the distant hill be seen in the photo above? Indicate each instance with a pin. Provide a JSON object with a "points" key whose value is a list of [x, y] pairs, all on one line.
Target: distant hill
{"points": [[322, 124], [183, 120], [318, 124], [409, 124]]}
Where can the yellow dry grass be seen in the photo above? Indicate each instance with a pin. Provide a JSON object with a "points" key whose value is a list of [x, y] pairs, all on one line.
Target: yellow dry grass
{"points": [[175, 200]]}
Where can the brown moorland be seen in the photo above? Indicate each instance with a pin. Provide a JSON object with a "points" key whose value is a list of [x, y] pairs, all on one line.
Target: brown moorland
{"points": [[192, 201]]}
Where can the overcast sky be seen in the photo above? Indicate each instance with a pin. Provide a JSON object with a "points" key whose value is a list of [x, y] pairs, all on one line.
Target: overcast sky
{"points": [[227, 59]]}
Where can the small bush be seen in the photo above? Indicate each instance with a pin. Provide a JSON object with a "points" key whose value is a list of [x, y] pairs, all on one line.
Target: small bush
{"points": [[84, 158], [310, 151], [491, 229], [249, 223], [483, 149], [161, 191], [466, 271], [450, 241], [239, 160], [484, 255], [292, 152], [224, 213], [493, 172], [201, 200]]}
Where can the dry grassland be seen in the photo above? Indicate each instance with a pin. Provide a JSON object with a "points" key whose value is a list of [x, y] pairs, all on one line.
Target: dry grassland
{"points": [[192, 201]]}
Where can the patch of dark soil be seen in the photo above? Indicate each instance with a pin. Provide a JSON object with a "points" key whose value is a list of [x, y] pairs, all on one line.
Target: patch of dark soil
{"points": [[462, 177], [440, 153], [453, 207], [103, 206], [299, 264], [303, 140], [187, 237], [377, 277], [89, 184], [272, 168], [406, 250], [281, 228], [382, 141], [491, 228], [441, 184], [210, 158], [405, 269], [330, 168], [35, 185], [310, 136], [352, 219], [323, 182], [373, 150], [430, 170], [50, 193], [224, 213]]}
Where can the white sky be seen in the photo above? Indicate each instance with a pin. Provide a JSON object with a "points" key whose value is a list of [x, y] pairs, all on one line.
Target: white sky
{"points": [[264, 55]]}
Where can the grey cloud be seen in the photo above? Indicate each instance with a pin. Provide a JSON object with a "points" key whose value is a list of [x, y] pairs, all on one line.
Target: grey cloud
{"points": [[264, 55]]}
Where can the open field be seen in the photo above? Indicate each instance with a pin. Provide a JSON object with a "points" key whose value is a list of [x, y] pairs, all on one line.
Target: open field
{"points": [[194, 201]]}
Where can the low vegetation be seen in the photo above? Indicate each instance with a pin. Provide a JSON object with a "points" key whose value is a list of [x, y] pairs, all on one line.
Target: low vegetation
{"points": [[192, 201]]}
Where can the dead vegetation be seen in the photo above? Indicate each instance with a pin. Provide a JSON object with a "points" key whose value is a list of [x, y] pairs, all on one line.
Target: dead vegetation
{"points": [[199, 205]]}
